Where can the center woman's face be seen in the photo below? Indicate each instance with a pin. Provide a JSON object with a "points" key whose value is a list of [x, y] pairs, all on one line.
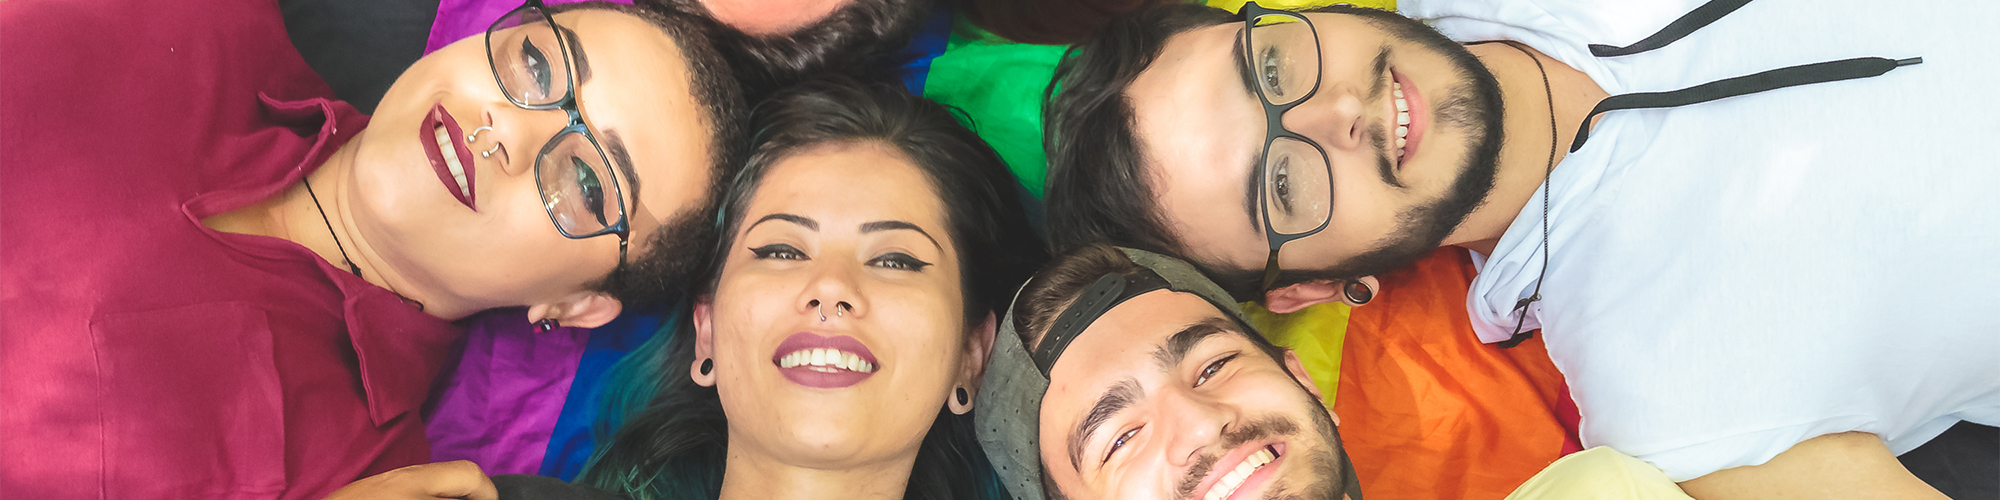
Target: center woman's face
{"points": [[838, 325]]}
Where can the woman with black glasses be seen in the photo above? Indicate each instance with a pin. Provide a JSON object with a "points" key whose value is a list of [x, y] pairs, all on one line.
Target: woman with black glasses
{"points": [[221, 283]]}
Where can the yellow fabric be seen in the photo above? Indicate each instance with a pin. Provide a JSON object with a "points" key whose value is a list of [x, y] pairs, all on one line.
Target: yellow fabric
{"points": [[1316, 333], [1236, 5], [1599, 473]]}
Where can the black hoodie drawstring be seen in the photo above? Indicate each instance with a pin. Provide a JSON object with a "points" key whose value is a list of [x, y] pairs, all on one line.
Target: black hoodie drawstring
{"points": [[1806, 74], [1708, 13]]}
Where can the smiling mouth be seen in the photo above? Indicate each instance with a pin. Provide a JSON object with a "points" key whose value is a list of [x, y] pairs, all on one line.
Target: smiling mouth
{"points": [[441, 138], [823, 362], [1410, 121], [1229, 482]]}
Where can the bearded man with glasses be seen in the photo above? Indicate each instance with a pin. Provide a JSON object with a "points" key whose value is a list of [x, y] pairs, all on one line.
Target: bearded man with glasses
{"points": [[220, 282], [1720, 211]]}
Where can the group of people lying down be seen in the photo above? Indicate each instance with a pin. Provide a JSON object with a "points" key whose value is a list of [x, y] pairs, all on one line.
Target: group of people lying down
{"points": [[220, 281]]}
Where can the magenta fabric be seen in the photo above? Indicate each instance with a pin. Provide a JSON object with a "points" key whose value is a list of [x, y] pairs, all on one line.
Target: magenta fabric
{"points": [[500, 405], [457, 19], [142, 354]]}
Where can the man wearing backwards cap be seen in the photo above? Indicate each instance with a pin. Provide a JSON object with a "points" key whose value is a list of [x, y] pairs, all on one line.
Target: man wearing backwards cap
{"points": [[1135, 377]]}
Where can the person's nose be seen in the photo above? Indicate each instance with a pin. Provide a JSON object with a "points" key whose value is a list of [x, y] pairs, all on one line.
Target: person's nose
{"points": [[1334, 117], [832, 295], [1194, 426], [513, 137]]}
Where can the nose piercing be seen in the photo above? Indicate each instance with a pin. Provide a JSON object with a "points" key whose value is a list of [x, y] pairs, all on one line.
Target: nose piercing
{"points": [[839, 309], [489, 152], [474, 136]]}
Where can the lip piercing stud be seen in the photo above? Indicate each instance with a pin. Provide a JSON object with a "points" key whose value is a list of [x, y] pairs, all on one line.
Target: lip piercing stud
{"points": [[474, 136]]}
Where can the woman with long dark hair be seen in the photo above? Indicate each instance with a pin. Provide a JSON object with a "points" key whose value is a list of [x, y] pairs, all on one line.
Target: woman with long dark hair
{"points": [[869, 245]]}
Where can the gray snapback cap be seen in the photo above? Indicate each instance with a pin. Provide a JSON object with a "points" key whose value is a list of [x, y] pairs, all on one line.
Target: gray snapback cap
{"points": [[1008, 416]]}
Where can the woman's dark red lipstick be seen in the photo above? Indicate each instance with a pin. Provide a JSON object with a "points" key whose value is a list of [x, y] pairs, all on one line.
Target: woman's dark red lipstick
{"points": [[824, 362], [437, 130]]}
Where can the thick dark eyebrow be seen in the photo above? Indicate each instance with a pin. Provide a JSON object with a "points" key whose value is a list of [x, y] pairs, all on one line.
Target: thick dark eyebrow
{"points": [[1175, 350], [1250, 186], [576, 52], [622, 160], [890, 225], [1256, 159], [1243, 64], [802, 221], [1115, 399]]}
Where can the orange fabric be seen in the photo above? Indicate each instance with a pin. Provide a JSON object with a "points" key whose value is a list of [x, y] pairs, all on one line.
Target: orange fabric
{"points": [[1427, 411]]}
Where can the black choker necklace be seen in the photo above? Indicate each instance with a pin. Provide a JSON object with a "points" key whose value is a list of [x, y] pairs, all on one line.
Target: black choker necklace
{"points": [[329, 230], [1519, 336], [351, 267]]}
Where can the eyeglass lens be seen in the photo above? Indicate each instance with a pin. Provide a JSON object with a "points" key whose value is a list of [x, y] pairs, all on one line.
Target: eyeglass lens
{"points": [[575, 186], [527, 58], [531, 64], [1284, 61]]}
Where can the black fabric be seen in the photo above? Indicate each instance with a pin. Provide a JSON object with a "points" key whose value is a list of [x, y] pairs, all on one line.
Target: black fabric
{"points": [[1805, 74], [1107, 292], [1964, 462], [531, 487], [359, 46], [1693, 20]]}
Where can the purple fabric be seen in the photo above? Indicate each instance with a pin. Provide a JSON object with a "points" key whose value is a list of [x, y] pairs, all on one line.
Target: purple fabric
{"points": [[457, 19], [499, 407]]}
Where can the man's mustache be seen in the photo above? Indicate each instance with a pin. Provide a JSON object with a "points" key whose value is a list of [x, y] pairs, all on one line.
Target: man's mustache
{"points": [[1256, 430]]}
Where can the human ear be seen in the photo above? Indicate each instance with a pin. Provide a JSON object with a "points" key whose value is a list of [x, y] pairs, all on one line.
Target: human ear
{"points": [[1354, 293], [581, 310], [704, 343], [979, 345], [1297, 370]]}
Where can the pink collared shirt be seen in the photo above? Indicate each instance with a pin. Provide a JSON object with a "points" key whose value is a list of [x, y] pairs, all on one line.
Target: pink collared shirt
{"points": [[142, 354]]}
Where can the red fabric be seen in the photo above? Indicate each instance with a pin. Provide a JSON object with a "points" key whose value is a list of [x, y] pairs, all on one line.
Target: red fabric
{"points": [[1427, 411], [143, 355]]}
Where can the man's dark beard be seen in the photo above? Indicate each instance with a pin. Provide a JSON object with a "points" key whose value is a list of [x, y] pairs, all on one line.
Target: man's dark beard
{"points": [[1475, 107], [1325, 469]]}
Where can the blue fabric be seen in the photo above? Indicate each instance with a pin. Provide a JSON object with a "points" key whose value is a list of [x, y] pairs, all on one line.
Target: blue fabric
{"points": [[929, 42], [571, 444]]}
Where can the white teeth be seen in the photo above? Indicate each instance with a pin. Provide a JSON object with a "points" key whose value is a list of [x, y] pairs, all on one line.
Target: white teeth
{"points": [[1402, 119], [826, 360], [1228, 484], [451, 160]]}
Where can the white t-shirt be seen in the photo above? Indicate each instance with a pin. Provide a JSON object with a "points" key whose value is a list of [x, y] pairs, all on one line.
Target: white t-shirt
{"points": [[1730, 278]]}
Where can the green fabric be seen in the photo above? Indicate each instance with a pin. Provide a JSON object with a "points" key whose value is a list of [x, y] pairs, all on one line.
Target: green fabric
{"points": [[999, 85]]}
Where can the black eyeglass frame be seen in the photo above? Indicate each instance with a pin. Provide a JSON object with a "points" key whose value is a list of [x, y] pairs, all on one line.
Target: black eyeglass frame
{"points": [[1274, 129], [567, 104]]}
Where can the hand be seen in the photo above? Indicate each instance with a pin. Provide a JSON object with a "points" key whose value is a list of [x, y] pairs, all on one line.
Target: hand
{"points": [[460, 479]]}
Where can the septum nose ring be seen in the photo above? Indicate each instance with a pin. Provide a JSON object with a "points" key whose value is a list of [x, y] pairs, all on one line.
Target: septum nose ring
{"points": [[474, 137], [839, 309]]}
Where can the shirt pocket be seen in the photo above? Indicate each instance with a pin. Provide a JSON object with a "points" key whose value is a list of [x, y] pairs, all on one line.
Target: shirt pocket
{"points": [[193, 407]]}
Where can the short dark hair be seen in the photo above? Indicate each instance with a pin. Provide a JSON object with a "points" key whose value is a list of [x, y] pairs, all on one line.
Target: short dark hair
{"points": [[1098, 189], [854, 41], [1063, 280], [673, 256]]}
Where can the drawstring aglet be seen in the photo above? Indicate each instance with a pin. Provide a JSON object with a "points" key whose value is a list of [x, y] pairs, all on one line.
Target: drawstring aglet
{"points": [[1910, 62]]}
